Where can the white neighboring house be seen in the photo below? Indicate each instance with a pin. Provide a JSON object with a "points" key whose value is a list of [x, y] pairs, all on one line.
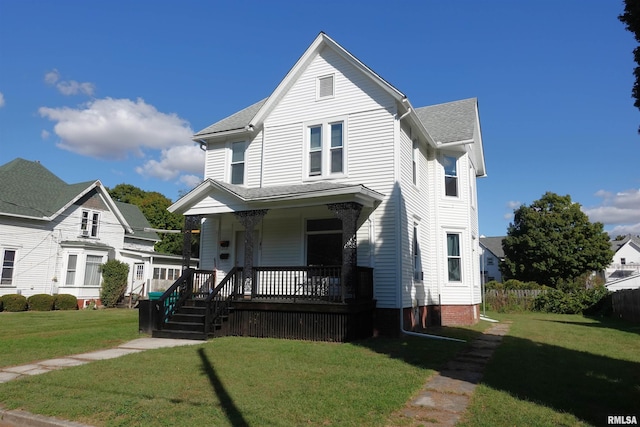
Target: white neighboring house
{"points": [[626, 258], [54, 236], [491, 254], [335, 142]]}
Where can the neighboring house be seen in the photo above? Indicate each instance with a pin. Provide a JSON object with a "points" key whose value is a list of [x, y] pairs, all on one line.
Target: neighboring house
{"points": [[54, 236], [626, 258], [491, 254], [337, 168]]}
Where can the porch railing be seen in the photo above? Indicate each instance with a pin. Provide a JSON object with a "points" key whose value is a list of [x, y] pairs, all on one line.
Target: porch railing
{"points": [[218, 302], [312, 283]]}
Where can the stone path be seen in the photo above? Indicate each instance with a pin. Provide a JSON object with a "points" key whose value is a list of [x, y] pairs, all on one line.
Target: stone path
{"points": [[445, 397]]}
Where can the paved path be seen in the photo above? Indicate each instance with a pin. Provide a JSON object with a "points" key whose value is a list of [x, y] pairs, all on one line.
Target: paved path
{"points": [[445, 397]]}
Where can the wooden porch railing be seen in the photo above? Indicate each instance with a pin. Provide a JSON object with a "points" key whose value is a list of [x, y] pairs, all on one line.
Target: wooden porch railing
{"points": [[218, 302]]}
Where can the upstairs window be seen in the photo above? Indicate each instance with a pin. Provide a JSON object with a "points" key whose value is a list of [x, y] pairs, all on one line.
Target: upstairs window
{"points": [[325, 87], [8, 266], [415, 154], [325, 149], [237, 162], [450, 176], [90, 223]]}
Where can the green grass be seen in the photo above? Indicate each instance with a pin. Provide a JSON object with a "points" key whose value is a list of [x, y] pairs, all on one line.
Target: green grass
{"points": [[560, 370], [241, 381], [36, 335]]}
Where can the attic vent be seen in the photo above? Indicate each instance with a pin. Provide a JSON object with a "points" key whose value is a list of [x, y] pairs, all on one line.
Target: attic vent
{"points": [[325, 86]]}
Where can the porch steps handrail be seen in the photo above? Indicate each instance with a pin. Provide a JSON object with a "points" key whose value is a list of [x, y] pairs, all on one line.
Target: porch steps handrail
{"points": [[218, 303]]}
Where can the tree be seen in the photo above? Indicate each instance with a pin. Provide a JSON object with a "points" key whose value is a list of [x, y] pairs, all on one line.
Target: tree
{"points": [[631, 19], [552, 241], [154, 207], [114, 282]]}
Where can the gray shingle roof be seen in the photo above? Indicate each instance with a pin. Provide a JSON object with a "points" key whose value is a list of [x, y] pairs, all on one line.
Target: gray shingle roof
{"points": [[617, 244], [494, 245], [137, 221], [450, 122], [235, 121], [280, 190]]}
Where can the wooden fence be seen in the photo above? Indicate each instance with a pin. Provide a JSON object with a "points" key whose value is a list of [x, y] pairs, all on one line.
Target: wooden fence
{"points": [[626, 304]]}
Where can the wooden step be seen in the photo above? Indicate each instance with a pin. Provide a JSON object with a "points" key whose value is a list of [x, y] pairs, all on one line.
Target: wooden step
{"points": [[184, 335]]}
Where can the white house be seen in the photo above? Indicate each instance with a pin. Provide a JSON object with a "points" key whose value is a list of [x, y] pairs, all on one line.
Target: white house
{"points": [[626, 258], [491, 254], [54, 236], [337, 167]]}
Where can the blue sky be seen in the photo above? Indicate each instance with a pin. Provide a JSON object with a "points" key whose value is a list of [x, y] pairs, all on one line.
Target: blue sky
{"points": [[112, 90]]}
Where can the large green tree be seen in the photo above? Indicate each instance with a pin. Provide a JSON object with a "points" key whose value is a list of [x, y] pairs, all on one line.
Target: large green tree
{"points": [[154, 207], [552, 240], [631, 18]]}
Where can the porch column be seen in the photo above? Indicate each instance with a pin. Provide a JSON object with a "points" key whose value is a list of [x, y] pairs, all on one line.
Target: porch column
{"points": [[348, 213], [191, 222], [249, 219]]}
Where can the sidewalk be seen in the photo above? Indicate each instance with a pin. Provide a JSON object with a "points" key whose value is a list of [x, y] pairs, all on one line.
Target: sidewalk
{"points": [[445, 396], [26, 419]]}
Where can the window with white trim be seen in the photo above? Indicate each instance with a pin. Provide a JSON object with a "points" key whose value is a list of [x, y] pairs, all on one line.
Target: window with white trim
{"points": [[415, 157], [238, 150], [454, 259], [325, 87], [415, 249], [325, 149], [72, 266], [8, 267], [92, 276], [450, 176], [89, 224]]}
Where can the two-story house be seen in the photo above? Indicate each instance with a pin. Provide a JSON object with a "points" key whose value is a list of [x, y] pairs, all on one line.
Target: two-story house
{"points": [[337, 179], [54, 236]]}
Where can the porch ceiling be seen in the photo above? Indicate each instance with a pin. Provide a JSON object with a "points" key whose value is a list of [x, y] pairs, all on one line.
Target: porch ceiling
{"points": [[214, 197]]}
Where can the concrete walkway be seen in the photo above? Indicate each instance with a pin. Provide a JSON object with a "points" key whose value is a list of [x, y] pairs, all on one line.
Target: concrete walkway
{"points": [[26, 419], [445, 396]]}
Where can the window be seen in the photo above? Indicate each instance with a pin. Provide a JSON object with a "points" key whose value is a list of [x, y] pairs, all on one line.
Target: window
{"points": [[325, 87], [92, 270], [139, 272], [72, 263], [237, 162], [324, 241], [8, 265], [454, 261], [326, 149], [89, 224], [490, 260], [450, 176], [623, 261], [416, 152], [415, 249]]}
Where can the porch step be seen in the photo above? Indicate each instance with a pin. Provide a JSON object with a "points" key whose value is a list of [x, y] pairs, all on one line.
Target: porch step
{"points": [[185, 335], [184, 326]]}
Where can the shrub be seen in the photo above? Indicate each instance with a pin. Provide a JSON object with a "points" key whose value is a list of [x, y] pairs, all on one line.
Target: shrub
{"points": [[1, 304], [571, 301], [65, 302], [14, 302], [493, 284], [40, 302], [114, 282]]}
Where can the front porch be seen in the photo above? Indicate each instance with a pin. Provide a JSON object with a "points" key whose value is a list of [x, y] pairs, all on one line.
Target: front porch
{"points": [[309, 303]]}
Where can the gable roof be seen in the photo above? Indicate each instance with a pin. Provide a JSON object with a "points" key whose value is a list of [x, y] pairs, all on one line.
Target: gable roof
{"points": [[29, 190], [493, 245], [616, 245], [450, 122], [238, 121]]}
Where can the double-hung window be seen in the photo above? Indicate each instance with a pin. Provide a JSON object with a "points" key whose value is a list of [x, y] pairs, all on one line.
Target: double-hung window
{"points": [[90, 223], [92, 276], [8, 266], [326, 149], [72, 266], [237, 162], [454, 259], [450, 176]]}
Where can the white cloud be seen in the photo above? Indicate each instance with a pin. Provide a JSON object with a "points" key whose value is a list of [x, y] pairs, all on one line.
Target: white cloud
{"points": [[187, 158], [44, 134], [113, 128], [619, 212], [1, 100], [68, 87], [190, 181], [513, 205]]}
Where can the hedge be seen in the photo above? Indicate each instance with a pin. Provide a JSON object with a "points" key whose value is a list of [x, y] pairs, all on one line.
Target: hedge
{"points": [[14, 302], [65, 302], [40, 302]]}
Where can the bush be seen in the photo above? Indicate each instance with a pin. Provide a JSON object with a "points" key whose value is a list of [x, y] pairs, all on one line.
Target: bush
{"points": [[65, 302], [14, 302], [1, 304], [40, 302], [114, 282], [570, 301]]}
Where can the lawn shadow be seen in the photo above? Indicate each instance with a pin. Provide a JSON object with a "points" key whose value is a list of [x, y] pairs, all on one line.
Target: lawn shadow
{"points": [[587, 385], [605, 323], [226, 402]]}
